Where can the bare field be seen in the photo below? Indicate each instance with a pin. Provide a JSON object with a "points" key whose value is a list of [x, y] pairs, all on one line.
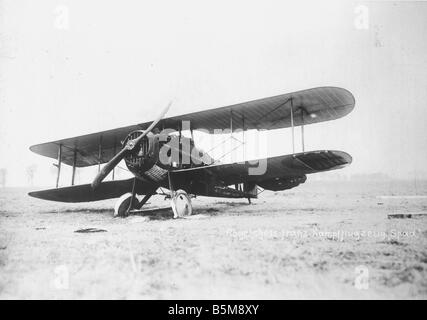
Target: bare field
{"points": [[320, 240]]}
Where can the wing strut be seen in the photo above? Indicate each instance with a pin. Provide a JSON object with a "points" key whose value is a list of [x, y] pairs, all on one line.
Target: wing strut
{"points": [[292, 125], [74, 167], [99, 153], [59, 164], [114, 150], [302, 129], [303, 110], [243, 137]]}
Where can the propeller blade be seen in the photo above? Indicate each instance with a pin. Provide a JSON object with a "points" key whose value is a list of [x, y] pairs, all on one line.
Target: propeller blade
{"points": [[122, 153], [153, 124], [108, 168]]}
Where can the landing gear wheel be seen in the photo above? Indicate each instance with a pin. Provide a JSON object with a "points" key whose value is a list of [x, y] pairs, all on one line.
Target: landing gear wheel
{"points": [[181, 204], [122, 205]]}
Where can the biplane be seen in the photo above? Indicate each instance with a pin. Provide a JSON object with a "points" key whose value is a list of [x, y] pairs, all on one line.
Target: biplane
{"points": [[160, 157]]}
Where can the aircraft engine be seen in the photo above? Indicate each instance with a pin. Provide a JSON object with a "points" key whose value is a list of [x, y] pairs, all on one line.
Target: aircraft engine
{"points": [[145, 155]]}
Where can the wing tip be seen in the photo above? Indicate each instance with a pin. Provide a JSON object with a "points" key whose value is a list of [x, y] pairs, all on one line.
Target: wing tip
{"points": [[348, 159], [350, 96], [31, 148], [38, 195], [346, 93], [36, 149]]}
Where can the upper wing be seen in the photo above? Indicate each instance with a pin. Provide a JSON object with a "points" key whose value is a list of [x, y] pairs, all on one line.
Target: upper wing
{"points": [[85, 193], [281, 167], [317, 105]]}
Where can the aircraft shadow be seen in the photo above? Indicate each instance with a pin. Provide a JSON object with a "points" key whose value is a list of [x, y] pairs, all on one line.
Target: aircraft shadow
{"points": [[80, 210], [155, 213]]}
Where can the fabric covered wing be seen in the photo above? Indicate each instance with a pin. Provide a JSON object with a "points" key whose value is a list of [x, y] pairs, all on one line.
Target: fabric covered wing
{"points": [[84, 192], [286, 167], [87, 147], [308, 106], [317, 105]]}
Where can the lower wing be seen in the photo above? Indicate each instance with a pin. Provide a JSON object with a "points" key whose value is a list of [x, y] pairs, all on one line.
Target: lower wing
{"points": [[84, 192], [276, 173]]}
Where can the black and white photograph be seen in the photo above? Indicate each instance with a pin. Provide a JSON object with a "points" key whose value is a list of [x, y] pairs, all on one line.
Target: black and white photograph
{"points": [[213, 150]]}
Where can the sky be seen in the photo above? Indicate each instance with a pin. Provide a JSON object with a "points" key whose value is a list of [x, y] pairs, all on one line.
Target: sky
{"points": [[74, 67]]}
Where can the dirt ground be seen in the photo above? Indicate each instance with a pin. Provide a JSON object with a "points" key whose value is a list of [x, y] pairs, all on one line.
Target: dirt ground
{"points": [[321, 240]]}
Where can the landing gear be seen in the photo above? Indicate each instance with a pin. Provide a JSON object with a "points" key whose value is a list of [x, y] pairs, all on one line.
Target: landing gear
{"points": [[180, 201], [121, 209], [129, 203], [181, 204]]}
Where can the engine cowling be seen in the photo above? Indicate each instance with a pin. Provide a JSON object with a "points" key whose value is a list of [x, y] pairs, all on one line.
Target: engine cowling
{"points": [[144, 156], [279, 184]]}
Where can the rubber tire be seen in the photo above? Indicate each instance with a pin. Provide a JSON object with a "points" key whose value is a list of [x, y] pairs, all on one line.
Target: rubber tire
{"points": [[181, 204], [122, 205]]}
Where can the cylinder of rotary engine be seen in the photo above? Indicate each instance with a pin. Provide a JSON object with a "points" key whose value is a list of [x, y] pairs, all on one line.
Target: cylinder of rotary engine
{"points": [[144, 156]]}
